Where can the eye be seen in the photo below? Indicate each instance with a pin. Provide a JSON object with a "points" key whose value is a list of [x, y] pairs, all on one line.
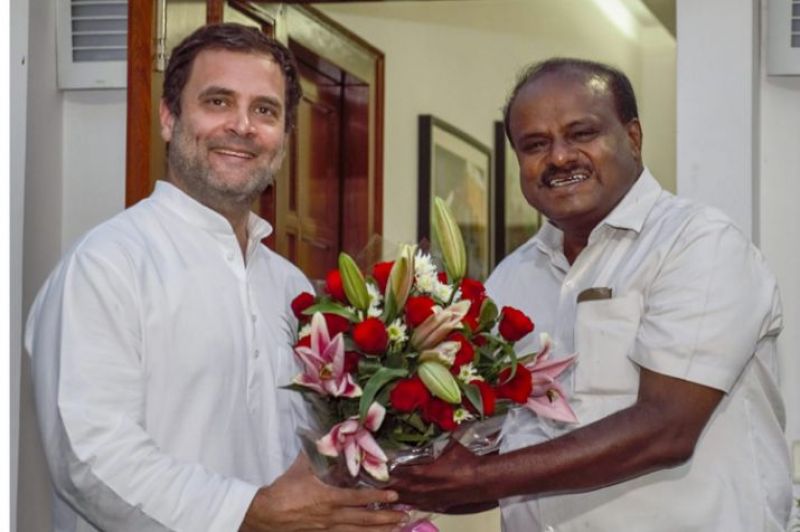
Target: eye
{"points": [[583, 135], [216, 101], [265, 110], [533, 145]]}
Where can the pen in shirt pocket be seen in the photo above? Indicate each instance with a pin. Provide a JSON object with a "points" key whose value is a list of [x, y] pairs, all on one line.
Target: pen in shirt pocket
{"points": [[595, 293]]}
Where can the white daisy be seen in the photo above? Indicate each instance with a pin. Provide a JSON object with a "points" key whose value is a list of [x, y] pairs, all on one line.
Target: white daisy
{"points": [[461, 415], [442, 291], [467, 373], [397, 332]]}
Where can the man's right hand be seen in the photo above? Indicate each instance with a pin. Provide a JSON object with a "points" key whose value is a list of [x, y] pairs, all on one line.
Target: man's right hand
{"points": [[299, 501]]}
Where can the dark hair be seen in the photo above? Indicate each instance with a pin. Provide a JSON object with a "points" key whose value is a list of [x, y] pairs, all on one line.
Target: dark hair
{"points": [[236, 38], [621, 88]]}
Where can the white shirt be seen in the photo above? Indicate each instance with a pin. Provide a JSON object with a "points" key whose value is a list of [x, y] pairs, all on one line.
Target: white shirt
{"points": [[692, 299], [157, 354]]}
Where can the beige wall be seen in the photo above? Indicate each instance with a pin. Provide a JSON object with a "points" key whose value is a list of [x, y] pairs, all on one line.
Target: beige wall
{"points": [[459, 60]]}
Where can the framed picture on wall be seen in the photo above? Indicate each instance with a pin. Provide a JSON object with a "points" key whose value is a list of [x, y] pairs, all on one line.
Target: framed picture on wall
{"points": [[516, 220], [457, 168]]}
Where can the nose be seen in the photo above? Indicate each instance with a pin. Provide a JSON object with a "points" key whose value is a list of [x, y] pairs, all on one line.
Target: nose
{"points": [[241, 123], [562, 152]]}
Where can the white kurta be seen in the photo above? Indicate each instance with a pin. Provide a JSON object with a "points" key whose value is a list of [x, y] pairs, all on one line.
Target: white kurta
{"points": [[157, 354], [692, 299]]}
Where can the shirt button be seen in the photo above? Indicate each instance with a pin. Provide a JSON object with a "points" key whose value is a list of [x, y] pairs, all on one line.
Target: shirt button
{"points": [[255, 353], [255, 318]]}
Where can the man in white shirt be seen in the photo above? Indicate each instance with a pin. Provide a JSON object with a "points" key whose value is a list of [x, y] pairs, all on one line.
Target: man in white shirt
{"points": [[674, 316], [160, 341]]}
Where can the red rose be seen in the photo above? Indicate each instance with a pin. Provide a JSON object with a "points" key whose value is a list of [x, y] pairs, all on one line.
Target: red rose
{"points": [[380, 272], [442, 277], [336, 324], [351, 359], [371, 337], [475, 293], [305, 341], [409, 394], [472, 290], [472, 316], [418, 309], [518, 388], [441, 413], [334, 286], [466, 353], [300, 303], [487, 396], [514, 324], [479, 340]]}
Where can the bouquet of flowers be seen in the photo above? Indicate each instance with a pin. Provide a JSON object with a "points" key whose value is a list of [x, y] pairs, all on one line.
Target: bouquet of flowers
{"points": [[398, 361]]}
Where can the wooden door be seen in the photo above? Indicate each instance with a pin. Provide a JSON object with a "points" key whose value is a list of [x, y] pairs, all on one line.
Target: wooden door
{"points": [[327, 197], [309, 201]]}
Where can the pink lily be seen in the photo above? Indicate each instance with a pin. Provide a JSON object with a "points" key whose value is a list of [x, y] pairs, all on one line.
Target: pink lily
{"points": [[323, 363], [548, 398], [360, 448]]}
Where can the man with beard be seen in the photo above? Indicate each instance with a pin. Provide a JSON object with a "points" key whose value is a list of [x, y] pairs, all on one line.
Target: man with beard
{"points": [[160, 341], [674, 316]]}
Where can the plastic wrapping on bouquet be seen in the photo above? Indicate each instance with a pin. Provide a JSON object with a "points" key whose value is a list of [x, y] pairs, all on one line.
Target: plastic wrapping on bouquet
{"points": [[480, 437]]}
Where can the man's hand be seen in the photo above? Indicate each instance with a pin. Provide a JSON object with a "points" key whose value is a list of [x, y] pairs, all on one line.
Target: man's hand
{"points": [[299, 501], [659, 431], [448, 485]]}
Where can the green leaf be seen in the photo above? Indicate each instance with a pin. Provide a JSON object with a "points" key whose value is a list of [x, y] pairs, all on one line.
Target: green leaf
{"points": [[374, 384], [329, 307], [488, 315], [474, 395]]}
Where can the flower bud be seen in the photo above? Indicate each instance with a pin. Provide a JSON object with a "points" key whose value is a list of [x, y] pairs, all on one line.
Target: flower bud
{"points": [[353, 281], [450, 240], [433, 330], [440, 382], [400, 280], [444, 353]]}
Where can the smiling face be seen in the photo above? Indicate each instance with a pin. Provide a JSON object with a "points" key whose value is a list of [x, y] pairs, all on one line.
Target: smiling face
{"points": [[228, 142], [577, 160]]}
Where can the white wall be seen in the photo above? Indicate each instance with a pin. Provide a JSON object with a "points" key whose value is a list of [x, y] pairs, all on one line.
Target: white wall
{"points": [[42, 242], [460, 60], [738, 138], [779, 178], [93, 159], [18, 68], [717, 113]]}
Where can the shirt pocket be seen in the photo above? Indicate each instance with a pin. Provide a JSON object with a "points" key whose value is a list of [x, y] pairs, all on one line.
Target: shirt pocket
{"points": [[605, 334]]}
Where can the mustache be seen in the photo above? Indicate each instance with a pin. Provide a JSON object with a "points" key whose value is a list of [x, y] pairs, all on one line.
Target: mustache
{"points": [[553, 172]]}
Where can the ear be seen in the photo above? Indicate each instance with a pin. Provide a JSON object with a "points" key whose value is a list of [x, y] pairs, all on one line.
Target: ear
{"points": [[167, 120], [634, 130]]}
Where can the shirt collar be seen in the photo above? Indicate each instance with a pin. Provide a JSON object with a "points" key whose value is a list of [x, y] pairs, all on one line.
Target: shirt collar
{"points": [[197, 214], [630, 213]]}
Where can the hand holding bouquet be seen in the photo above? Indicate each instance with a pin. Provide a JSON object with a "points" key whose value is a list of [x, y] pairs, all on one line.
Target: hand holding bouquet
{"points": [[396, 361]]}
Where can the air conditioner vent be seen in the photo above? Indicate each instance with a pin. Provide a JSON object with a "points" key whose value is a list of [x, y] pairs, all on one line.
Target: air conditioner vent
{"points": [[92, 43]]}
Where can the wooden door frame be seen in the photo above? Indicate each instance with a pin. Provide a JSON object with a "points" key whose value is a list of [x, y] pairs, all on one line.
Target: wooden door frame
{"points": [[141, 60]]}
